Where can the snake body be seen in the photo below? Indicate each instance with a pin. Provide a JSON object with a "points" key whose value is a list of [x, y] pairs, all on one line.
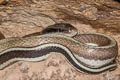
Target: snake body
{"points": [[93, 53]]}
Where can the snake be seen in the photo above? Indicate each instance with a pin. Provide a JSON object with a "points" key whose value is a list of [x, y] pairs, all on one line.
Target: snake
{"points": [[88, 52]]}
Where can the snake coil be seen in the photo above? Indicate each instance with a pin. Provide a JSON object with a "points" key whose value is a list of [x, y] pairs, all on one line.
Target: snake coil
{"points": [[93, 53]]}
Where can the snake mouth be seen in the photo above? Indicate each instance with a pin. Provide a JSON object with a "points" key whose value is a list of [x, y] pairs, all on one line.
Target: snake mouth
{"points": [[95, 40]]}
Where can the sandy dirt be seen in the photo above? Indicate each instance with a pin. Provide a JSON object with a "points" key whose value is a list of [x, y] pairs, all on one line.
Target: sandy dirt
{"points": [[23, 17]]}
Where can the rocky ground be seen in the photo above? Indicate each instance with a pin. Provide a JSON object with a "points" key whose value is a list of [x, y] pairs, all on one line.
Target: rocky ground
{"points": [[22, 17]]}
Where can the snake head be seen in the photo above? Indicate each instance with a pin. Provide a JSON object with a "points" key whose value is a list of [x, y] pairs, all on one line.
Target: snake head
{"points": [[64, 28]]}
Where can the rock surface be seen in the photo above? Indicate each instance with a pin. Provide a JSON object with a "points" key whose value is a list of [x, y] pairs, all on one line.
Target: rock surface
{"points": [[22, 17]]}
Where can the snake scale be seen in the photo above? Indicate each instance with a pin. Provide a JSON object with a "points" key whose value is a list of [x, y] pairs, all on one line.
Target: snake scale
{"points": [[91, 53]]}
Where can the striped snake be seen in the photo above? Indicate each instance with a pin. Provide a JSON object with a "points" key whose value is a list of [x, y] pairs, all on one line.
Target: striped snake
{"points": [[92, 53]]}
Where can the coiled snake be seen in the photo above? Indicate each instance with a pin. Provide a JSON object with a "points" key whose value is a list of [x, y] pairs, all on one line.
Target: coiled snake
{"points": [[93, 53]]}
